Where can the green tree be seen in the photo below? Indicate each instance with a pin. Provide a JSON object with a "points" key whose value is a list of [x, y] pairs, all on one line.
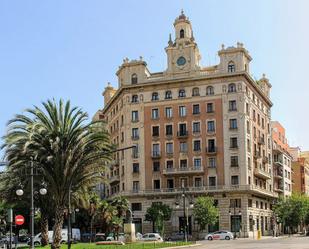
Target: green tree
{"points": [[292, 211], [205, 212], [157, 213], [71, 152]]}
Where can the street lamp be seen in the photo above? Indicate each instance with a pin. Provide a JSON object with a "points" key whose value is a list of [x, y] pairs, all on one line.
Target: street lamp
{"points": [[185, 214], [234, 213], [42, 191]]}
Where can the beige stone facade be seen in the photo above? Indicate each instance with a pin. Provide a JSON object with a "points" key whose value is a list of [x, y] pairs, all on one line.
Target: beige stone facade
{"points": [[206, 129]]}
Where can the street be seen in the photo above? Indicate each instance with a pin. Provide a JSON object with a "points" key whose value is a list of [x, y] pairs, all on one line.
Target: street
{"points": [[266, 243]]}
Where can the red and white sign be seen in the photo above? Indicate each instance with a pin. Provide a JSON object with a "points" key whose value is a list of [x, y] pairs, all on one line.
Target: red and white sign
{"points": [[19, 220]]}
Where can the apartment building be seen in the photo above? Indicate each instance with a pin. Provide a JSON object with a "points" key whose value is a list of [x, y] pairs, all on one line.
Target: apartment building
{"points": [[300, 166], [202, 130], [282, 161]]}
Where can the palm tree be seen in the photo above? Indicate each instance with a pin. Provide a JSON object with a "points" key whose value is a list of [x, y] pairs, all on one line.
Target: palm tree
{"points": [[71, 152]]}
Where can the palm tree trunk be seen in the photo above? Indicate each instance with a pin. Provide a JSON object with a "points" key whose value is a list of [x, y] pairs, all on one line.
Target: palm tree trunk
{"points": [[57, 228], [44, 229]]}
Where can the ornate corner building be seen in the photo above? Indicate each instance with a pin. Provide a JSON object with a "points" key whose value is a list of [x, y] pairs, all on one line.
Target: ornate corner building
{"points": [[203, 129]]}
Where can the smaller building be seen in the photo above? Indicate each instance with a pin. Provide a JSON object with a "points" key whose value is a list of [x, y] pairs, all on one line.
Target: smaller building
{"points": [[282, 159]]}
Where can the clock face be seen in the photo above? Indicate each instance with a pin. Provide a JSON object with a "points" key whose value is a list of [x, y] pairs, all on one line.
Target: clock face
{"points": [[181, 61]]}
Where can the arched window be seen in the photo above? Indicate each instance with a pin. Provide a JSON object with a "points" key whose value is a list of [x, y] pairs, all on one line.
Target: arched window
{"points": [[168, 94], [195, 91], [210, 90], [182, 93], [155, 96], [134, 78], [231, 88], [231, 67], [182, 33], [134, 98]]}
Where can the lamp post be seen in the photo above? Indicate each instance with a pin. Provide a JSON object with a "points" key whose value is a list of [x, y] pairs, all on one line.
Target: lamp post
{"points": [[42, 191], [185, 214], [234, 213]]}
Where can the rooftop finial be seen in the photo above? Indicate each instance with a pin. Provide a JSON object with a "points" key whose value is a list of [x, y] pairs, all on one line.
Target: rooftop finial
{"points": [[182, 11], [170, 42]]}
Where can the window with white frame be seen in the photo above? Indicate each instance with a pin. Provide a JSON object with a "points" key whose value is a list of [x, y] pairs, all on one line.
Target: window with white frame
{"points": [[197, 145], [169, 148], [211, 162], [134, 116], [182, 111], [183, 146], [168, 112], [210, 90], [211, 126], [155, 113], [197, 163], [196, 127]]}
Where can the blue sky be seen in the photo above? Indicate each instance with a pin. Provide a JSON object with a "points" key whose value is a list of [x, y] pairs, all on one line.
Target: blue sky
{"points": [[71, 49]]}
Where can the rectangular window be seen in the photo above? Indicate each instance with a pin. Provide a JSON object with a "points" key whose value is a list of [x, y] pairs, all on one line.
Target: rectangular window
{"points": [[156, 150], [234, 161], [183, 163], [182, 111], [135, 133], [249, 202], [248, 127], [198, 182], [169, 164], [197, 163], [169, 130], [210, 107], [134, 116], [155, 131], [196, 109], [170, 183], [183, 147], [135, 186], [211, 126], [156, 184], [211, 162], [136, 206], [233, 123], [135, 151], [232, 105], [168, 112], [233, 142], [169, 148], [196, 127], [235, 203], [234, 180], [212, 181], [155, 113], [135, 167], [196, 145], [183, 130], [211, 145], [156, 166]]}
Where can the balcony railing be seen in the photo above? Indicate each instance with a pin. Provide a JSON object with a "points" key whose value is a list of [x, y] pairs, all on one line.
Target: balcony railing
{"points": [[182, 134], [261, 173], [211, 150], [156, 154], [203, 189], [183, 170], [136, 137], [257, 154], [113, 179]]}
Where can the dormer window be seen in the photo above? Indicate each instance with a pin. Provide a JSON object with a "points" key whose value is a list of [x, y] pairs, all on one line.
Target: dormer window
{"points": [[182, 33], [182, 93], [210, 90], [231, 67], [134, 78], [195, 91], [232, 88], [168, 94], [134, 98], [155, 96]]}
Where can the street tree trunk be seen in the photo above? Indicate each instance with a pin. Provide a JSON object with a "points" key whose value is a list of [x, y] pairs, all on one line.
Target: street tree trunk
{"points": [[59, 213], [44, 229]]}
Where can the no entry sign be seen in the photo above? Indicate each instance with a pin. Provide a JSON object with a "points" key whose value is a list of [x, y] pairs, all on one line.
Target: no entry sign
{"points": [[19, 220]]}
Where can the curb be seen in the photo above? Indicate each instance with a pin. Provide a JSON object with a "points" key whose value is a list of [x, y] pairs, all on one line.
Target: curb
{"points": [[185, 246]]}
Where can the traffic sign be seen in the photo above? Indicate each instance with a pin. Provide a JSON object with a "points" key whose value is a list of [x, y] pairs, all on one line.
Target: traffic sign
{"points": [[19, 220]]}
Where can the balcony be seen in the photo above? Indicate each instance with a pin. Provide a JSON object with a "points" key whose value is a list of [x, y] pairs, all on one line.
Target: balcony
{"points": [[265, 159], [261, 140], [136, 137], [182, 134], [278, 161], [278, 188], [278, 174], [155, 154], [183, 170], [261, 173], [211, 150], [114, 179]]}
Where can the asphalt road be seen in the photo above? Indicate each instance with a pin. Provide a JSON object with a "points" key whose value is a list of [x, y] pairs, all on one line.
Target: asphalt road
{"points": [[266, 243]]}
